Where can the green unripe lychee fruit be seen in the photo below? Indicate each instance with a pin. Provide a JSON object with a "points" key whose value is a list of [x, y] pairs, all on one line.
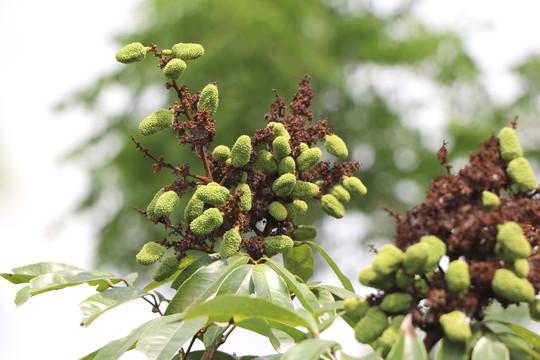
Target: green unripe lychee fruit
{"points": [[509, 143], [514, 244], [166, 203], [331, 206], [455, 326], [385, 342], [277, 210], [402, 279], [521, 172], [303, 147], [152, 205], [296, 209], [387, 260], [308, 159], [334, 145], [284, 185], [266, 162], [371, 278], [436, 252], [157, 121], [279, 130], [281, 147], [304, 233], [174, 69], [213, 194], [194, 208], [150, 253], [305, 190], [457, 276], [415, 257], [221, 153], [131, 53], [355, 308], [187, 51], [246, 198], [287, 166], [277, 244], [166, 268], [241, 151], [371, 325], [340, 193], [490, 200], [520, 267], [534, 310], [209, 99], [210, 220], [509, 286], [230, 243], [396, 303], [354, 185]]}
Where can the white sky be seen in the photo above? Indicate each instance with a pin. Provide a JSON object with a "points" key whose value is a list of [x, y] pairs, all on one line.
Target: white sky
{"points": [[50, 48]]}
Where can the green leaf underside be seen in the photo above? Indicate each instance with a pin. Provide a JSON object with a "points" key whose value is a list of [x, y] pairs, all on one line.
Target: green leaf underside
{"points": [[517, 343], [99, 303], [407, 347], [191, 268], [372, 356], [525, 333], [270, 286], [261, 327], [310, 349], [487, 348], [302, 292], [210, 336], [241, 307], [344, 280], [449, 350], [238, 282], [299, 261], [26, 273], [203, 284], [326, 300], [340, 293], [22, 295]]}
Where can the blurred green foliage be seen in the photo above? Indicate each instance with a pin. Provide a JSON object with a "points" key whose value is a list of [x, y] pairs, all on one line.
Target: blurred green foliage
{"points": [[362, 68]]}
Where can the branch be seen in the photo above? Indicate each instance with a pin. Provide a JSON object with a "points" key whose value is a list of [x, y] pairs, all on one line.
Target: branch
{"points": [[209, 354]]}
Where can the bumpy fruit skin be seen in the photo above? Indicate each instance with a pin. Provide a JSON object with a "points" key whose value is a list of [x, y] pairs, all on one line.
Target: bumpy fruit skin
{"points": [[371, 325], [305, 190], [534, 310], [166, 203], [437, 251], [369, 277], [490, 200], [396, 303], [521, 172], [334, 145], [281, 147], [387, 260], [279, 130], [513, 242], [304, 233], [354, 185], [308, 159], [245, 199], [296, 209], [230, 243], [385, 342], [150, 253], [509, 143], [131, 53], [194, 208], [213, 194], [209, 99], [509, 286], [266, 162], [277, 210], [402, 279], [415, 258], [287, 166], [355, 308], [174, 69], [457, 276], [274, 245], [303, 147], [157, 121], [284, 185], [455, 326], [152, 205], [207, 222], [241, 151], [166, 268], [187, 51], [331, 206], [340, 193], [221, 153], [520, 267]]}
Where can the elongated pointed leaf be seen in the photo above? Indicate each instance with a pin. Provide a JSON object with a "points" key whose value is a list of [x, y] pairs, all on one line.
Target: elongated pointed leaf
{"points": [[326, 301], [302, 292], [241, 307], [294, 333], [261, 327], [310, 349], [163, 338], [183, 264], [526, 334], [238, 282], [449, 350], [518, 343], [488, 348], [299, 261], [407, 347], [340, 293], [212, 333], [270, 286], [26, 273], [192, 267], [372, 356], [99, 303], [22, 295], [203, 284], [91, 356], [344, 280]]}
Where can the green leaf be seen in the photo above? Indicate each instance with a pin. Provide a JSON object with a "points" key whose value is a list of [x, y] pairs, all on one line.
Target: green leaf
{"points": [[183, 264], [487, 348], [90, 356], [310, 349], [408, 347], [344, 280], [270, 286], [197, 355], [66, 278], [340, 293], [269, 357], [192, 267], [162, 338], [299, 261], [302, 292], [372, 356], [449, 350], [241, 307], [203, 284], [22, 295], [26, 273], [238, 282], [291, 331], [526, 334], [212, 333], [261, 327], [326, 300], [99, 303], [517, 343]]}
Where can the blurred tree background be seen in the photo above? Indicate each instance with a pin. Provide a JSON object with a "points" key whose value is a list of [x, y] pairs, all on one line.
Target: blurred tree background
{"points": [[392, 89]]}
